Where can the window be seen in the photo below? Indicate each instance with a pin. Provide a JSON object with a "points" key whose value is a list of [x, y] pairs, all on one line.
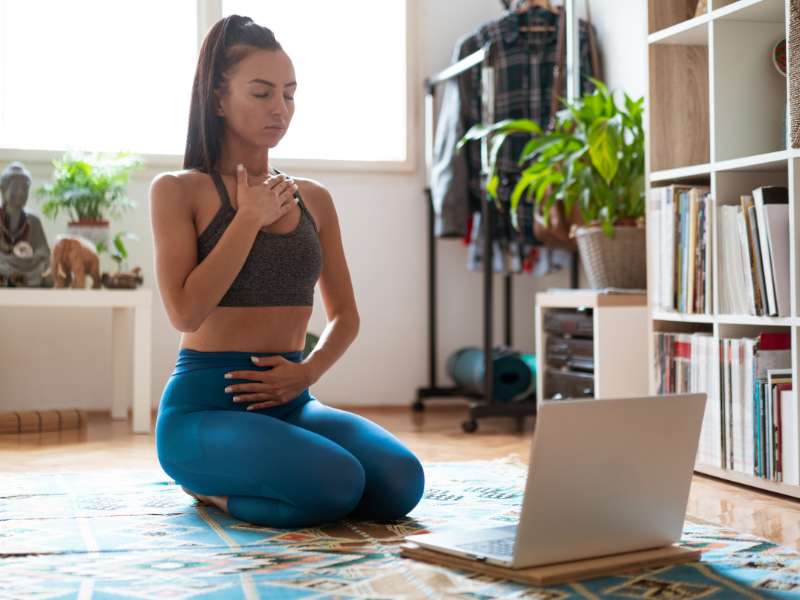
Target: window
{"points": [[96, 75], [349, 58], [107, 76]]}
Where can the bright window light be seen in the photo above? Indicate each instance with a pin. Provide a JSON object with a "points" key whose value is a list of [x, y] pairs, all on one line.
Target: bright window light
{"points": [[96, 75], [349, 58]]}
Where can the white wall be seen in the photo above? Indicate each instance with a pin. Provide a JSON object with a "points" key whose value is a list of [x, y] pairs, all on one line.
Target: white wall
{"points": [[61, 358]]}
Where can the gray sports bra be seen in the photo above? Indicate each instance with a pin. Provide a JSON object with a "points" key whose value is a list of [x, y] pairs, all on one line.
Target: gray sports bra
{"points": [[281, 269]]}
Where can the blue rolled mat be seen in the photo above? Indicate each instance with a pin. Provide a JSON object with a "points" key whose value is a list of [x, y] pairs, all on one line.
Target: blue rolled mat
{"points": [[513, 372]]}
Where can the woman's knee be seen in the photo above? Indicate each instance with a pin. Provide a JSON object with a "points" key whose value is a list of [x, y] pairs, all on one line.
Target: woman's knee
{"points": [[410, 482], [397, 487], [336, 484]]}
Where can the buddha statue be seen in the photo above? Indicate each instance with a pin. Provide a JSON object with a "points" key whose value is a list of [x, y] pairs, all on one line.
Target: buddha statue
{"points": [[24, 252]]}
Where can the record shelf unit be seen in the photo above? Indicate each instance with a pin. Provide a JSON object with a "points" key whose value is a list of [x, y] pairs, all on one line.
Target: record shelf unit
{"points": [[715, 115]]}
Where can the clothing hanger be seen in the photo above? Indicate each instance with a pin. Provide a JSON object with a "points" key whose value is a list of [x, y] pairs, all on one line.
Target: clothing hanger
{"points": [[523, 6]]}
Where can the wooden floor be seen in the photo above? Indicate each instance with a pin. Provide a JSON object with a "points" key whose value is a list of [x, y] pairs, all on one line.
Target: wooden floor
{"points": [[434, 435]]}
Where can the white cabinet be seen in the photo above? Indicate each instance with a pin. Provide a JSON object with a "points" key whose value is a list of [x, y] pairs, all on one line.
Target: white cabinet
{"points": [[597, 345]]}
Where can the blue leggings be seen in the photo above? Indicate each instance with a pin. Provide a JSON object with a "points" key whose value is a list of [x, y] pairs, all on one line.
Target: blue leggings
{"points": [[298, 464]]}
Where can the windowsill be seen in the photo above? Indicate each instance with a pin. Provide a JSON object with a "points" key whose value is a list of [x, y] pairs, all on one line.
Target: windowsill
{"points": [[40, 163]]}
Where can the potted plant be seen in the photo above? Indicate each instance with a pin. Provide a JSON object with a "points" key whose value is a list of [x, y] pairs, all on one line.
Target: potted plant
{"points": [[119, 254], [89, 188], [593, 160]]}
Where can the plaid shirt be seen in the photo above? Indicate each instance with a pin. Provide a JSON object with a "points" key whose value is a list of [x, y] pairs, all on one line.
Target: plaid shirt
{"points": [[523, 71]]}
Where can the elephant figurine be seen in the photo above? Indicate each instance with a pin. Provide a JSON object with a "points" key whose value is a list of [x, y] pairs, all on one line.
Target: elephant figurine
{"points": [[73, 258]]}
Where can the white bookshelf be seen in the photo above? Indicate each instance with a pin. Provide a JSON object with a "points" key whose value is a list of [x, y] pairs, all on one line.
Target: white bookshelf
{"points": [[714, 115]]}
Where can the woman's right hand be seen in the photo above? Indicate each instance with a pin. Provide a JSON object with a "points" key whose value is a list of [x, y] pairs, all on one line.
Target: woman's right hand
{"points": [[268, 200]]}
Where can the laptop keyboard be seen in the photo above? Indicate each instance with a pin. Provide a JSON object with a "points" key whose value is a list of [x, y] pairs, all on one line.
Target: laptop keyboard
{"points": [[497, 547]]}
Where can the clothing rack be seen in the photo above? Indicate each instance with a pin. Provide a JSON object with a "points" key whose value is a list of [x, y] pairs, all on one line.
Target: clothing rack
{"points": [[480, 404]]}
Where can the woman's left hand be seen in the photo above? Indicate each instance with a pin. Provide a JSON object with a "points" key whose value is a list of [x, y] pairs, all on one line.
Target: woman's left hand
{"points": [[273, 387]]}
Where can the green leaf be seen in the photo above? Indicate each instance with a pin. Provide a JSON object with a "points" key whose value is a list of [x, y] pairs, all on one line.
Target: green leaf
{"points": [[480, 130], [491, 185], [526, 180], [603, 148]]}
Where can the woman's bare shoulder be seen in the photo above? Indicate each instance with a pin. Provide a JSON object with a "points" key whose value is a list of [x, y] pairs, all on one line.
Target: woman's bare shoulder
{"points": [[316, 198], [182, 183], [184, 177]]}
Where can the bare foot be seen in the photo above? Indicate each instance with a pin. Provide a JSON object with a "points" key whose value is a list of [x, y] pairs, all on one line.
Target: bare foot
{"points": [[221, 502]]}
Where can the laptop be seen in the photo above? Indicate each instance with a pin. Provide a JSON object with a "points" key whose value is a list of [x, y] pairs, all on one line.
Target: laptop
{"points": [[605, 476]]}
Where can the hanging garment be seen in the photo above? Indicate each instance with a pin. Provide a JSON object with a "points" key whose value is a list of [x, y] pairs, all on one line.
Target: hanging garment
{"points": [[524, 64], [524, 77], [449, 169]]}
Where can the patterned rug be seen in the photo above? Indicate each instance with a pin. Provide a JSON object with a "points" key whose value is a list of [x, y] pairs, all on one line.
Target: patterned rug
{"points": [[135, 534]]}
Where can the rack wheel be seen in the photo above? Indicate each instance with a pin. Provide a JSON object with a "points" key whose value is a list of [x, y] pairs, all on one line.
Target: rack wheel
{"points": [[418, 406], [469, 426]]}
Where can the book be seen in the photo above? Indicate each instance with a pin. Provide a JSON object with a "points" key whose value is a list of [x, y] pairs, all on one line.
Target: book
{"points": [[747, 262], [762, 196], [789, 436], [777, 235], [757, 262], [691, 250], [776, 378]]}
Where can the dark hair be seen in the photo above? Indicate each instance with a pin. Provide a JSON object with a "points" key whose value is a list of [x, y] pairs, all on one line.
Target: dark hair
{"points": [[217, 56]]}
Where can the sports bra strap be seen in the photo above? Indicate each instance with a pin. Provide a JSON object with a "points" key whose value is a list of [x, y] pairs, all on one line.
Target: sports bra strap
{"points": [[223, 192]]}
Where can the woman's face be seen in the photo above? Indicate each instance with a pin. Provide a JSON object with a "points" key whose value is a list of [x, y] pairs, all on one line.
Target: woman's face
{"points": [[259, 104]]}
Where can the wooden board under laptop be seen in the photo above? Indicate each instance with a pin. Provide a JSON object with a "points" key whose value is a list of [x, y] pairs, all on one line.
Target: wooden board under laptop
{"points": [[562, 572]]}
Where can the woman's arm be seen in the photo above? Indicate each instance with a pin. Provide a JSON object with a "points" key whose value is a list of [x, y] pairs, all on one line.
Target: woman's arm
{"points": [[190, 291], [336, 288]]}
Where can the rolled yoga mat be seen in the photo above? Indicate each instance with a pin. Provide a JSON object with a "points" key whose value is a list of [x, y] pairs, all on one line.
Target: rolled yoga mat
{"points": [[514, 373]]}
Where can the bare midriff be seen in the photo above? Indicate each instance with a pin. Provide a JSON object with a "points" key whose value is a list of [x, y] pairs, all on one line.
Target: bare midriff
{"points": [[251, 329]]}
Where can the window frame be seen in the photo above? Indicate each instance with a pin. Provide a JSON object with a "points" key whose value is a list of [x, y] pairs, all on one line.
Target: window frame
{"points": [[208, 13]]}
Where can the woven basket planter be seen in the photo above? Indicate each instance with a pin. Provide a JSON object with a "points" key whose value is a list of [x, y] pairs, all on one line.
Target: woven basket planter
{"points": [[617, 262]]}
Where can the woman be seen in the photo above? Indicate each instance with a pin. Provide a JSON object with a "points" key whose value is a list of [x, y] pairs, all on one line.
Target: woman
{"points": [[237, 426]]}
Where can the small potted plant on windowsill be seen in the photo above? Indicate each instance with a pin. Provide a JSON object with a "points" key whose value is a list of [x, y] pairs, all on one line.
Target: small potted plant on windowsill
{"points": [[89, 187], [592, 160]]}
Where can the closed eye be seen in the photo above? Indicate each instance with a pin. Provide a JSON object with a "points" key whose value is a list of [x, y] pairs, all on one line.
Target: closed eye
{"points": [[265, 95]]}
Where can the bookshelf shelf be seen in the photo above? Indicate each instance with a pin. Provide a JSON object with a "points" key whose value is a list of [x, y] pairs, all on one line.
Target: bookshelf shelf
{"points": [[715, 116], [771, 161], [751, 320], [693, 32], [682, 173], [681, 318], [750, 10], [766, 162], [744, 479]]}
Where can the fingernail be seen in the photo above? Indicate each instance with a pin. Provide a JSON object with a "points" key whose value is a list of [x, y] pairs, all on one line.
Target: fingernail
{"points": [[239, 167], [254, 359], [228, 376]]}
